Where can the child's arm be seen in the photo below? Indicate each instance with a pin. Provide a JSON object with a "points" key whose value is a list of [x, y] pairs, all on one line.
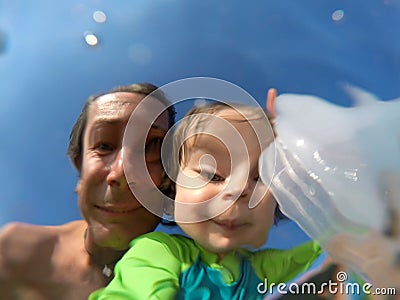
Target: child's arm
{"points": [[149, 270], [283, 265]]}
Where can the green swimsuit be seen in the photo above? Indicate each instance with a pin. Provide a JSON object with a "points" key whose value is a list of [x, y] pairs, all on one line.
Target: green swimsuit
{"points": [[162, 266]]}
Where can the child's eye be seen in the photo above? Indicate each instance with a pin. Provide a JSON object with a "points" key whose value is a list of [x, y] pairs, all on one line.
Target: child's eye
{"points": [[217, 178], [212, 177]]}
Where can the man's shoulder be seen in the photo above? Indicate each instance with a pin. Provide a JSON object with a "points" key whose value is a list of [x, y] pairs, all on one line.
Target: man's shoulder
{"points": [[22, 236], [22, 245], [29, 236]]}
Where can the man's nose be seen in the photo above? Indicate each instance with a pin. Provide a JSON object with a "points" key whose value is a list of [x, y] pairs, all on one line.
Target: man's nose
{"points": [[116, 176]]}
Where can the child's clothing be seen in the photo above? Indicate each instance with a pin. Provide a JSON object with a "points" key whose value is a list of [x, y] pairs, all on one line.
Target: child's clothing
{"points": [[162, 266]]}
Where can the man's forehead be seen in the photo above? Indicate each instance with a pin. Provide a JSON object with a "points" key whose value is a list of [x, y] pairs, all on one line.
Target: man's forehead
{"points": [[118, 107], [115, 101]]}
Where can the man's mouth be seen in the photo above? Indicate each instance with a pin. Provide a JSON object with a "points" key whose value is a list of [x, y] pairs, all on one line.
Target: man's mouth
{"points": [[117, 209]]}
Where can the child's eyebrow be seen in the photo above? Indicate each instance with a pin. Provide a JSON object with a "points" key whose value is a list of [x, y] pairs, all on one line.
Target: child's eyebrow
{"points": [[206, 148]]}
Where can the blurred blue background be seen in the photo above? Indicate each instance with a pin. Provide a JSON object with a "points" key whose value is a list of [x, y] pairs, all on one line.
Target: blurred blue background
{"points": [[54, 54]]}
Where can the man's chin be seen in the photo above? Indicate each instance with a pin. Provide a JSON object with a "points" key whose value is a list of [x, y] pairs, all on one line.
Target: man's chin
{"points": [[119, 237]]}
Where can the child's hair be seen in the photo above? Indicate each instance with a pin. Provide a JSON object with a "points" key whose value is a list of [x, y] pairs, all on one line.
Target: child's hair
{"points": [[195, 123]]}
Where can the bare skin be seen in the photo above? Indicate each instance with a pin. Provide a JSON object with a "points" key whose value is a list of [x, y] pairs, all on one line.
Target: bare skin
{"points": [[26, 272], [53, 262]]}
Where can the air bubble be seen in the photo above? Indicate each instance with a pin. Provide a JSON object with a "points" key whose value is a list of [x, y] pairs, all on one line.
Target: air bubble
{"points": [[91, 39], [99, 16], [312, 191], [337, 15]]}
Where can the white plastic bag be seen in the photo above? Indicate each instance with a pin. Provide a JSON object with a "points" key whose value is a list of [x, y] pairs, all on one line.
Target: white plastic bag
{"points": [[330, 161]]}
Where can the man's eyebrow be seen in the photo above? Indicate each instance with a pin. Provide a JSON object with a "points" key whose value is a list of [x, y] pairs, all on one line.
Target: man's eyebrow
{"points": [[158, 127], [114, 122], [107, 121]]}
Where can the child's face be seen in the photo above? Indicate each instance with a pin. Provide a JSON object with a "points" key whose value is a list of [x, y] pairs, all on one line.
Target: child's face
{"points": [[237, 225]]}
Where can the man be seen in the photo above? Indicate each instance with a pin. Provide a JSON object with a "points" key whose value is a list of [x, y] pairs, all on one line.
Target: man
{"points": [[72, 260]]}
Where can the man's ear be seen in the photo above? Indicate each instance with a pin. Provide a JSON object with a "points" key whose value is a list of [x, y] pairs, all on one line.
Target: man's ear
{"points": [[78, 164], [270, 102], [78, 186]]}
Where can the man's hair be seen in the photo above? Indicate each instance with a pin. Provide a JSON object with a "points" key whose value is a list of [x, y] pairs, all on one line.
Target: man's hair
{"points": [[75, 146]]}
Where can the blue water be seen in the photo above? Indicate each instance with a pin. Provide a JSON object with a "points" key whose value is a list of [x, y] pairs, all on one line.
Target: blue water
{"points": [[48, 69]]}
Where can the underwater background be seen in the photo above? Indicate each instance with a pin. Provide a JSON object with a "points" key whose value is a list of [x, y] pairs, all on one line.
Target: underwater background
{"points": [[55, 54]]}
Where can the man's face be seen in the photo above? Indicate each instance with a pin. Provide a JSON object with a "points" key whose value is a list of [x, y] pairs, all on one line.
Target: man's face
{"points": [[113, 213]]}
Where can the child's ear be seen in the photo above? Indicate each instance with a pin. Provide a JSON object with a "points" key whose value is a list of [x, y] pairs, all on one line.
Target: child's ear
{"points": [[270, 102]]}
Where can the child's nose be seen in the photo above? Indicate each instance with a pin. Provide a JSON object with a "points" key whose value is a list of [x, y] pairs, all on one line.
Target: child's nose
{"points": [[237, 191]]}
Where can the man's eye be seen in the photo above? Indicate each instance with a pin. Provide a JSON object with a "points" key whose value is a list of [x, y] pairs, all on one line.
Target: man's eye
{"points": [[154, 145], [104, 147]]}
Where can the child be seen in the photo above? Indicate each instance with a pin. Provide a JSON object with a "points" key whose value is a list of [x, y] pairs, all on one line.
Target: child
{"points": [[218, 148]]}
